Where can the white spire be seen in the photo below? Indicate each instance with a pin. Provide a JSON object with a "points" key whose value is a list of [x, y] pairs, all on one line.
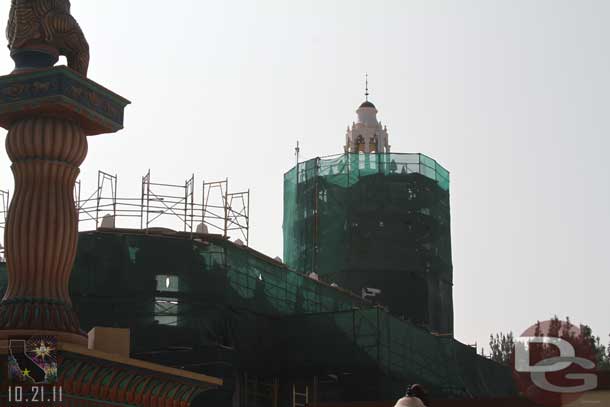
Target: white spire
{"points": [[367, 135]]}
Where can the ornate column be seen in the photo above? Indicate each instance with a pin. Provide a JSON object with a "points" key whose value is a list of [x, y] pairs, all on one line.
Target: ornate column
{"points": [[49, 112], [41, 230]]}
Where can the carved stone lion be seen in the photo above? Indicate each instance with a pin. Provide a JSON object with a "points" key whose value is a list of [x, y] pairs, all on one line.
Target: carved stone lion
{"points": [[35, 23]]}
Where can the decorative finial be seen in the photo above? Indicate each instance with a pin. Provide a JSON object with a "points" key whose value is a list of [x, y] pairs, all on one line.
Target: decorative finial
{"points": [[40, 30], [366, 89]]}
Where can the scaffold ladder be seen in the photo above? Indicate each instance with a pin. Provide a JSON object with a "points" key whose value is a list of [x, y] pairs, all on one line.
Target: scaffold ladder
{"points": [[300, 399]]}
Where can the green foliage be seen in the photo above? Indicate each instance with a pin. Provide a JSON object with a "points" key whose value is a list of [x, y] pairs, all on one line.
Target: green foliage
{"points": [[602, 355], [502, 345]]}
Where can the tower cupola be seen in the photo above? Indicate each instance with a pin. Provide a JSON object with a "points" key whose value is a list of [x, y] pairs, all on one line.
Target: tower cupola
{"points": [[367, 135]]}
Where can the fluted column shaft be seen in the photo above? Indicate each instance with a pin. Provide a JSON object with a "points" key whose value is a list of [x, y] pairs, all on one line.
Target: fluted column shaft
{"points": [[42, 230]]}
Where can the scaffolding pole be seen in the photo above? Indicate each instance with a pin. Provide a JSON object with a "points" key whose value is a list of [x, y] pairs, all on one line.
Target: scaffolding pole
{"points": [[221, 211]]}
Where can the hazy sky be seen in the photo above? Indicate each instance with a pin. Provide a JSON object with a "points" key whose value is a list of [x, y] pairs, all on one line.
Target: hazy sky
{"points": [[509, 96]]}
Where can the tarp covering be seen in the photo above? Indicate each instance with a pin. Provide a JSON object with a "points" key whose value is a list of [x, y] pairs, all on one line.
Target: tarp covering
{"points": [[202, 303], [375, 221]]}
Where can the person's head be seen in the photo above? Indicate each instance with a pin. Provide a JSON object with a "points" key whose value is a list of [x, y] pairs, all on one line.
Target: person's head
{"points": [[417, 390]]}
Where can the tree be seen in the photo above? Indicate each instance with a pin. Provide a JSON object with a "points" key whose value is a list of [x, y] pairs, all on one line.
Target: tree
{"points": [[602, 357], [502, 345], [608, 356]]}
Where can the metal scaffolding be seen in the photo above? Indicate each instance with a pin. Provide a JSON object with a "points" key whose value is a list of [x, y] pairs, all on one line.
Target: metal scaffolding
{"points": [[225, 212], [102, 202], [219, 210], [167, 199]]}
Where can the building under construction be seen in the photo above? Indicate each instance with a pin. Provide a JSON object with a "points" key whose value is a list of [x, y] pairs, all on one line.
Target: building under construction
{"points": [[377, 224], [360, 307]]}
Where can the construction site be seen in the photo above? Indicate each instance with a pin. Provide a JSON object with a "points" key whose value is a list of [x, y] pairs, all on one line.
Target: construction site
{"points": [[154, 296], [359, 307], [334, 322]]}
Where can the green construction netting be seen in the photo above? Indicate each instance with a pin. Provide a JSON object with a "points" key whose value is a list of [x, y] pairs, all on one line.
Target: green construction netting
{"points": [[346, 169], [215, 271], [378, 221], [201, 304], [320, 196], [361, 339]]}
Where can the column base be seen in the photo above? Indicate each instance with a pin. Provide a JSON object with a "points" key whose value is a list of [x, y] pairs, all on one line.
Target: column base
{"points": [[38, 315], [62, 337]]}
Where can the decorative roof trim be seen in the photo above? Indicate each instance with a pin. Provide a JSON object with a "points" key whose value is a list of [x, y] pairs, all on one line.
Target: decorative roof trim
{"points": [[68, 347]]}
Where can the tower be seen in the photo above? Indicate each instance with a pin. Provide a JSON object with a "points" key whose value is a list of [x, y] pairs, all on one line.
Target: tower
{"points": [[376, 223], [367, 135]]}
